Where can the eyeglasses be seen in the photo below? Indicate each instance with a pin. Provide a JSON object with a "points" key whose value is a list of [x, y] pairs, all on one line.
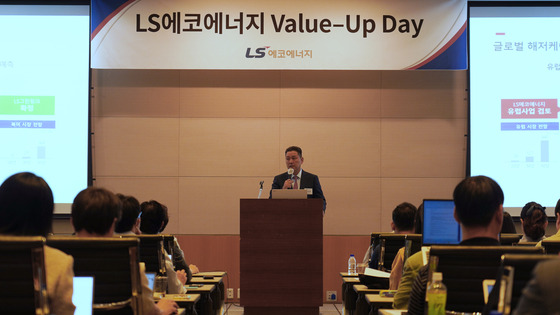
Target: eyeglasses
{"points": [[139, 215]]}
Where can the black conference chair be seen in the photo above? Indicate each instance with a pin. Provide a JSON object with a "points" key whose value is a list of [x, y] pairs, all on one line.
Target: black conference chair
{"points": [[168, 241], [151, 252], [526, 244], [551, 246], [113, 262], [391, 243], [522, 266], [510, 238], [465, 267], [22, 275]]}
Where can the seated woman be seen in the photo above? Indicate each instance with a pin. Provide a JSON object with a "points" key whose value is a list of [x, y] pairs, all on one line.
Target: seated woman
{"points": [[533, 222], [26, 209], [153, 220]]}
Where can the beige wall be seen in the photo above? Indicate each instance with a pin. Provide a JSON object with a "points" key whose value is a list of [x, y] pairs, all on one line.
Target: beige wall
{"points": [[198, 141]]}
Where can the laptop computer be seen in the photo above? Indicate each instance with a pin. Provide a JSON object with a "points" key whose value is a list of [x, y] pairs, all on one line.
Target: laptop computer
{"points": [[289, 194], [82, 297], [439, 225], [151, 279]]}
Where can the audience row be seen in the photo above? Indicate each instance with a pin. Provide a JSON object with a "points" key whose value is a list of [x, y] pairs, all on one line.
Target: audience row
{"points": [[479, 210], [26, 209]]}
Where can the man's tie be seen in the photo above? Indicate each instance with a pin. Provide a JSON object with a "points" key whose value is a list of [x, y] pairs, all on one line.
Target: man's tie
{"points": [[295, 183]]}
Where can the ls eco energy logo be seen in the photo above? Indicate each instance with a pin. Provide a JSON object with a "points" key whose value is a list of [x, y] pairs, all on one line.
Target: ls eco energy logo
{"points": [[259, 52]]}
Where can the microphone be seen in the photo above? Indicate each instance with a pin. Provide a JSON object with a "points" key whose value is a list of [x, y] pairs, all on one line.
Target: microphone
{"points": [[291, 173]]}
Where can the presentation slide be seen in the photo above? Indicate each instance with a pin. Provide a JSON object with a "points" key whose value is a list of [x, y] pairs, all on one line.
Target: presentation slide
{"points": [[44, 96], [514, 57]]}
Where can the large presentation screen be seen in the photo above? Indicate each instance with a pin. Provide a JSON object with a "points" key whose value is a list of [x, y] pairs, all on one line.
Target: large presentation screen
{"points": [[514, 69], [44, 94]]}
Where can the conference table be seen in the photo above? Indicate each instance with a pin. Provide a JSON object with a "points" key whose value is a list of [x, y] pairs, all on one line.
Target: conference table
{"points": [[186, 301], [218, 295]]}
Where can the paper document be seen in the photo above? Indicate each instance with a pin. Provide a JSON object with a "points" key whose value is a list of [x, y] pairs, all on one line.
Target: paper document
{"points": [[376, 273]]}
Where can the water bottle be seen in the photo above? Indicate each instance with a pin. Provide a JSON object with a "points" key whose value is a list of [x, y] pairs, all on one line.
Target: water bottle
{"points": [[436, 295], [352, 265]]}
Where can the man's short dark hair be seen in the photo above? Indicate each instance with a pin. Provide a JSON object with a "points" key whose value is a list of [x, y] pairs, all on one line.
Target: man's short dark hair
{"points": [[154, 217], [129, 214], [403, 216], [26, 205], [476, 200], [557, 209], [294, 148], [95, 209]]}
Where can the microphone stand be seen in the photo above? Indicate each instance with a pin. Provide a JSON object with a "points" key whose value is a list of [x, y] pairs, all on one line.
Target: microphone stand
{"points": [[260, 190]]}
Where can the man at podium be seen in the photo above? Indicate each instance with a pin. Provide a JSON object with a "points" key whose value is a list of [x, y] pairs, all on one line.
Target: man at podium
{"points": [[297, 178]]}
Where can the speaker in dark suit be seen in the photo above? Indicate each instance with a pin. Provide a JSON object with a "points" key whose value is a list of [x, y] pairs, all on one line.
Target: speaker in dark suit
{"points": [[296, 178]]}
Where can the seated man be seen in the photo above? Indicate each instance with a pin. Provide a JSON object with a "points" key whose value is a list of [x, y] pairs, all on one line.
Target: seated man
{"points": [[129, 223], [479, 210], [95, 212], [403, 223], [555, 237], [541, 292]]}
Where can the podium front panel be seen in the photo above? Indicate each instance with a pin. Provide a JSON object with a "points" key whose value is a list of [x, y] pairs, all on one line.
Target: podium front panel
{"points": [[281, 252]]}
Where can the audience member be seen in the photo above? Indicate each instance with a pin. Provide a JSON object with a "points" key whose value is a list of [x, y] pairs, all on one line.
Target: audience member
{"points": [[479, 210], [508, 226], [540, 295], [419, 220], [129, 224], [533, 222], [403, 223], [153, 221], [95, 212], [555, 237], [26, 209]]}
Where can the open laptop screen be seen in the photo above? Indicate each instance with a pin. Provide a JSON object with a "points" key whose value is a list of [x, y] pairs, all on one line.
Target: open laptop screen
{"points": [[439, 225], [151, 279], [82, 297]]}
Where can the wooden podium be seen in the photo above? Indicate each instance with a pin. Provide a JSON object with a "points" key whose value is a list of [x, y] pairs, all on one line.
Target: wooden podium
{"points": [[281, 258]]}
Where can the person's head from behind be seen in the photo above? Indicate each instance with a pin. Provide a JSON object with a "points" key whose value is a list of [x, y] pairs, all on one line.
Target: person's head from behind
{"points": [[130, 215], [533, 221], [508, 226], [95, 212], [26, 205], [479, 206], [419, 219], [294, 158], [154, 217], [403, 218]]}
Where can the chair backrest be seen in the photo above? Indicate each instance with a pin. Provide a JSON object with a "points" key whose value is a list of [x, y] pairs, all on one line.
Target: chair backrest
{"points": [[523, 265], [374, 239], [113, 262], [551, 246], [168, 241], [151, 252], [391, 243], [465, 267], [22, 275], [527, 244], [510, 238]]}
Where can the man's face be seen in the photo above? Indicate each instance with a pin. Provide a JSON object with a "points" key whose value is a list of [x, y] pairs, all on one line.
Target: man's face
{"points": [[293, 160]]}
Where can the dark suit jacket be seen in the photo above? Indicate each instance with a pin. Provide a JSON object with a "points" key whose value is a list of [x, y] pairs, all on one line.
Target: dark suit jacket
{"points": [[540, 295], [307, 180]]}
